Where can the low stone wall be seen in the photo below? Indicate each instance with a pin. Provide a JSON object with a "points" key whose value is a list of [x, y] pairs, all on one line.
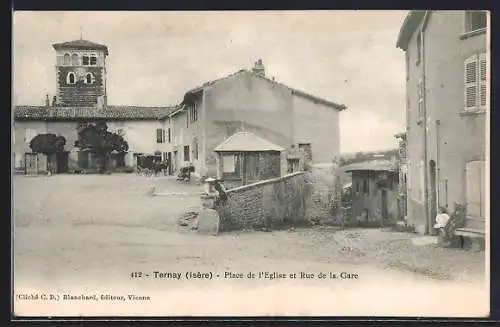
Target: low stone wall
{"points": [[267, 204]]}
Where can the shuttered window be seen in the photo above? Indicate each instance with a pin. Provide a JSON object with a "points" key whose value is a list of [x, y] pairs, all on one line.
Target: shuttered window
{"points": [[482, 80], [471, 83], [475, 81], [475, 183], [160, 135]]}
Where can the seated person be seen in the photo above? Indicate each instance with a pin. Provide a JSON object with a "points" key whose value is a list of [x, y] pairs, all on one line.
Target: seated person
{"points": [[441, 220]]}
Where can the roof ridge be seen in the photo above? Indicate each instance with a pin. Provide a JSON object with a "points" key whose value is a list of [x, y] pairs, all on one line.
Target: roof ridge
{"points": [[295, 90]]}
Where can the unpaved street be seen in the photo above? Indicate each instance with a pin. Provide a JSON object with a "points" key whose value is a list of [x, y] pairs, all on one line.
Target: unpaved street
{"points": [[103, 236]]}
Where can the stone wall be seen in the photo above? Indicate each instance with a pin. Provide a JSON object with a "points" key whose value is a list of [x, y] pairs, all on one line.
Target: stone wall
{"points": [[267, 204]]}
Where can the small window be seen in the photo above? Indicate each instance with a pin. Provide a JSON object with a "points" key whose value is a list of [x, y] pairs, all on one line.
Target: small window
{"points": [[186, 153], [366, 186], [93, 60], [169, 135], [89, 78], [74, 59], [193, 112], [85, 60], [419, 48], [231, 166], [71, 78], [66, 59], [159, 135], [475, 20]]}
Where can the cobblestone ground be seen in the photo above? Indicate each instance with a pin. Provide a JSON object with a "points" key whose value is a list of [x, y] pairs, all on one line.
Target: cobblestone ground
{"points": [[89, 234]]}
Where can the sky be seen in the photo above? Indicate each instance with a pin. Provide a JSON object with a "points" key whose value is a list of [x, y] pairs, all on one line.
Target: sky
{"points": [[348, 57]]}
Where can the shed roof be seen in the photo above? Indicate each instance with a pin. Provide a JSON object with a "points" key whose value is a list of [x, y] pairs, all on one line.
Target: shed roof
{"points": [[42, 113], [372, 165], [246, 142], [81, 44]]}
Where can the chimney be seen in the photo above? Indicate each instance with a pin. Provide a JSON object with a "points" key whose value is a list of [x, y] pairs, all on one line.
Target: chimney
{"points": [[54, 101], [47, 101], [259, 68]]}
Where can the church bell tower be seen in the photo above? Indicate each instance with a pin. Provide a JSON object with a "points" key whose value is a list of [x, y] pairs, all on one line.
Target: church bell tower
{"points": [[81, 73]]}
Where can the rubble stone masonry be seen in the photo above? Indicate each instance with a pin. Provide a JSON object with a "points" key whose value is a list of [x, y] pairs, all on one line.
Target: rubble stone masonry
{"points": [[266, 204]]}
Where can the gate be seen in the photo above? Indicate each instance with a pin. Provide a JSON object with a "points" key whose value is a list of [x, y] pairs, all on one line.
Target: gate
{"points": [[31, 163]]}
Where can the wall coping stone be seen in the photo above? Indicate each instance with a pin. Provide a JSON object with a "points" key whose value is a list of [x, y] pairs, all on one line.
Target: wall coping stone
{"points": [[264, 182]]}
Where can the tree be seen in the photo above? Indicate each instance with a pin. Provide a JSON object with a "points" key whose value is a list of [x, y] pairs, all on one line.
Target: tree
{"points": [[48, 144], [97, 139]]}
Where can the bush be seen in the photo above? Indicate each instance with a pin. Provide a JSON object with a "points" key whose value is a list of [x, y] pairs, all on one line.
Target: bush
{"points": [[322, 205]]}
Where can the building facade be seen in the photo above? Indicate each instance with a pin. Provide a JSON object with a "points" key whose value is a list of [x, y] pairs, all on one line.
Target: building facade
{"points": [[183, 134], [374, 192], [81, 99], [447, 107], [137, 125], [248, 100]]}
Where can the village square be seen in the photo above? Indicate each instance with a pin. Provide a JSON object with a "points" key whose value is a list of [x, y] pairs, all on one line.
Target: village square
{"points": [[243, 184]]}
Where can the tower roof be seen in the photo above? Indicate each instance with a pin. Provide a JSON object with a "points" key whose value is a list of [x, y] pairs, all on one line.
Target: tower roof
{"points": [[81, 44]]}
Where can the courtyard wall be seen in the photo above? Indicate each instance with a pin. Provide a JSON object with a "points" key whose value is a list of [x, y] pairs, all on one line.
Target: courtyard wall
{"points": [[268, 204]]}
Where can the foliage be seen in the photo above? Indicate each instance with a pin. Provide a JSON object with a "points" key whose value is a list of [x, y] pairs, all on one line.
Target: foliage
{"points": [[97, 139], [47, 144], [367, 156]]}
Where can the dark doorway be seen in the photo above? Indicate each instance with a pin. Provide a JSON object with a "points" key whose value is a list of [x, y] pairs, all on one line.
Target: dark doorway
{"points": [[174, 162], [62, 162], [383, 205], [433, 192], [169, 162]]}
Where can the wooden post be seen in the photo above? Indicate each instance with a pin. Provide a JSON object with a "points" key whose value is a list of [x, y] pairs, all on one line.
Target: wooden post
{"points": [[338, 199]]}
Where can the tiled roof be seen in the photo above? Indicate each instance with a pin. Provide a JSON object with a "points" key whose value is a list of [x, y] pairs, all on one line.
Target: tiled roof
{"points": [[373, 165], [295, 91], [76, 113], [81, 44], [246, 142]]}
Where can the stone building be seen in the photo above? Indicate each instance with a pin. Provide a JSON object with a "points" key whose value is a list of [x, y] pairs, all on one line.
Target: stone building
{"points": [[374, 192], [447, 105], [248, 99]]}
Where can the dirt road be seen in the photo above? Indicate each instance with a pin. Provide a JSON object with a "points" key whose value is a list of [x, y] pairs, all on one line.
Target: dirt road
{"points": [[111, 249]]}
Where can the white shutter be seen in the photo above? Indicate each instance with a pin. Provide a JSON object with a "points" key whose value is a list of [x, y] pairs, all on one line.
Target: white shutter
{"points": [[475, 189], [483, 79], [470, 82]]}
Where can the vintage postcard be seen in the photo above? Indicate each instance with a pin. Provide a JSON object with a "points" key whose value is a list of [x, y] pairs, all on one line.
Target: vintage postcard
{"points": [[250, 163]]}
